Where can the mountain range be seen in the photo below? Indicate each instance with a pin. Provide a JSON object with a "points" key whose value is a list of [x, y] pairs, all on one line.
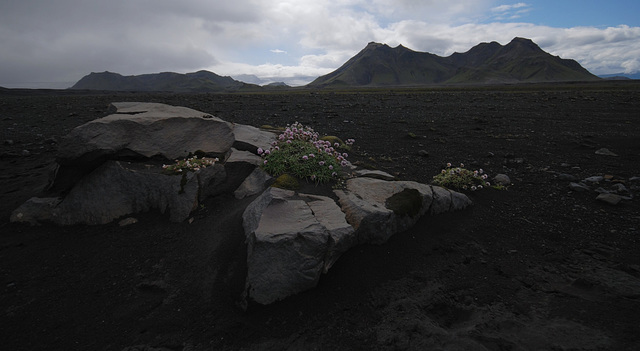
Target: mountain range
{"points": [[487, 63], [201, 81], [381, 65]]}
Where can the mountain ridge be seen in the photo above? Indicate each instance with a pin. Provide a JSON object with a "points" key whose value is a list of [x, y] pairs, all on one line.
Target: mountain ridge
{"points": [[521, 60], [200, 81]]}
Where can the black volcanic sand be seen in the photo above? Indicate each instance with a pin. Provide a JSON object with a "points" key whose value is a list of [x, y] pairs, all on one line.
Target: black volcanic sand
{"points": [[535, 266]]}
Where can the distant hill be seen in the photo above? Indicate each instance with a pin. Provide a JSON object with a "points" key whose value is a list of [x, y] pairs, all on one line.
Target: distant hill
{"points": [[621, 76], [487, 63], [201, 81]]}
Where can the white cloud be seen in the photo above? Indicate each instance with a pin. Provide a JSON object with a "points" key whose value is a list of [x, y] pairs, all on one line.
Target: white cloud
{"points": [[505, 8], [64, 40]]}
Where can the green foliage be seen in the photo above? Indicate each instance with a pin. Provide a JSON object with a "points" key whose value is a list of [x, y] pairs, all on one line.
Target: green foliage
{"points": [[460, 178], [301, 153]]}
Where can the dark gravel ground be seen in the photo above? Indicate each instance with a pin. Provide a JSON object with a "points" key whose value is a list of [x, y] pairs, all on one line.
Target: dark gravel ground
{"points": [[535, 266]]}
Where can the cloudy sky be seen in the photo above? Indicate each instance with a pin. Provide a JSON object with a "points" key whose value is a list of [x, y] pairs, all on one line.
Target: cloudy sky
{"points": [[54, 43]]}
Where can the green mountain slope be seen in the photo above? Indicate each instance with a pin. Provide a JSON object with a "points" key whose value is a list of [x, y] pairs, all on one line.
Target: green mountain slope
{"points": [[519, 61]]}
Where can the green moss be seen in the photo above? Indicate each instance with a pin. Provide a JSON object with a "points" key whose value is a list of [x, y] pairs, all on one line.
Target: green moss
{"points": [[287, 181], [272, 128], [332, 139], [408, 202], [183, 182]]}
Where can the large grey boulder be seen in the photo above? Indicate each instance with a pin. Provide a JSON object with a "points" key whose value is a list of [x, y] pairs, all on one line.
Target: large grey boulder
{"points": [[364, 200], [291, 240], [145, 130], [378, 208], [116, 189]]}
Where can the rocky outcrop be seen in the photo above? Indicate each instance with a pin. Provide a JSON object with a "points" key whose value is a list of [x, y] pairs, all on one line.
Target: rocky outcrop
{"points": [[140, 131], [118, 160], [292, 237]]}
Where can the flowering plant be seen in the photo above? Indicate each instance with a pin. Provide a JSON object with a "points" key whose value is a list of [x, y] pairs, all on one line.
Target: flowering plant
{"points": [[300, 152], [190, 164], [461, 178]]}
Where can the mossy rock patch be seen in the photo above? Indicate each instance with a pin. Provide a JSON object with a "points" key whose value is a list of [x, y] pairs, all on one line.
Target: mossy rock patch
{"points": [[287, 181], [408, 202]]}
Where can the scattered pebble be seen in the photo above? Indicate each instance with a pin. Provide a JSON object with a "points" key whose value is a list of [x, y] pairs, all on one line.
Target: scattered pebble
{"points": [[567, 177], [619, 188], [605, 152], [127, 221], [611, 199], [423, 153], [579, 187], [8, 142], [502, 179], [25, 153], [593, 180]]}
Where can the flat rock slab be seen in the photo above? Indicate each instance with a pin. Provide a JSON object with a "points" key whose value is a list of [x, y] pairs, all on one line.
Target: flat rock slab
{"points": [[145, 130]]}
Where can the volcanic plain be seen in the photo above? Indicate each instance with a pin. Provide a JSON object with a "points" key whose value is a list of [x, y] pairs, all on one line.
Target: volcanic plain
{"points": [[541, 264]]}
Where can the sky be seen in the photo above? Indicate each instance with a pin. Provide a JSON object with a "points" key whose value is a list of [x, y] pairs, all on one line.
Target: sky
{"points": [[54, 43]]}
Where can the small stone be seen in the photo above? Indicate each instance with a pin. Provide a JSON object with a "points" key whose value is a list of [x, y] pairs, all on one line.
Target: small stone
{"points": [[593, 180], [127, 221], [502, 179], [601, 190], [611, 199], [605, 152], [25, 153], [423, 153], [8, 142], [620, 188], [567, 177], [579, 187]]}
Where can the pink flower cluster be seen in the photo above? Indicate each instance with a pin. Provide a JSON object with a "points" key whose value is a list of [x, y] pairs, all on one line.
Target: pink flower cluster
{"points": [[297, 131]]}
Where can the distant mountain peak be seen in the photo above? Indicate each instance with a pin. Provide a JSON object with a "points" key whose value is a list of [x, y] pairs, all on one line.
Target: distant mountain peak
{"points": [[521, 60]]}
